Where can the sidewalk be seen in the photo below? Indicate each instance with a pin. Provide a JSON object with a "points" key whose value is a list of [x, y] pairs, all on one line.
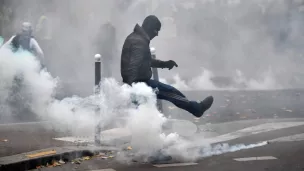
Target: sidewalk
{"points": [[27, 145], [20, 138]]}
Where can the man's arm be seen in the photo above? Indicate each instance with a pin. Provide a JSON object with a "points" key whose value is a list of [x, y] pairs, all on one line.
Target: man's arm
{"points": [[163, 64], [155, 63], [8, 43], [38, 50]]}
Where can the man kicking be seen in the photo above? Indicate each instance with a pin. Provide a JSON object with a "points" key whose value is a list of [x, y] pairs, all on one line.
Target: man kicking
{"points": [[136, 63]]}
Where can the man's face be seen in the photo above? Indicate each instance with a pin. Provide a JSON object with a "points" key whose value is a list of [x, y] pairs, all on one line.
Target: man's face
{"points": [[155, 33]]}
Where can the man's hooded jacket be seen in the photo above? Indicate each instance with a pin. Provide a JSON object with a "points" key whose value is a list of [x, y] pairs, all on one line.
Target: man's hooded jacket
{"points": [[136, 59]]}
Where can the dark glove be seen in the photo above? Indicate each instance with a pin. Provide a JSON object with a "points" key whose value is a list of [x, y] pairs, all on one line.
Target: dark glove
{"points": [[170, 64]]}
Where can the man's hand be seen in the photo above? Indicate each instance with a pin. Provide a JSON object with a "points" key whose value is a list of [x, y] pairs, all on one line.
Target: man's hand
{"points": [[170, 64]]}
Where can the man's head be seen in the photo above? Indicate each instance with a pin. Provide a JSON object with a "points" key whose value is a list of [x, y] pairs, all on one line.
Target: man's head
{"points": [[26, 28], [152, 26]]}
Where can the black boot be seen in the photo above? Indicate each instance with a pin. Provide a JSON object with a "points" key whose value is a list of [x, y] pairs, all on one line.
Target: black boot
{"points": [[205, 105]]}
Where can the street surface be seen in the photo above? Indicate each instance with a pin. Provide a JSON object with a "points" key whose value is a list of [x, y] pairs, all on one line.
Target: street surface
{"points": [[284, 152], [236, 117], [240, 105], [233, 105], [25, 137]]}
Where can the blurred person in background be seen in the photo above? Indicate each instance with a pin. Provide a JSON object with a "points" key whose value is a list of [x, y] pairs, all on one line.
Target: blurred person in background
{"points": [[19, 100], [25, 40]]}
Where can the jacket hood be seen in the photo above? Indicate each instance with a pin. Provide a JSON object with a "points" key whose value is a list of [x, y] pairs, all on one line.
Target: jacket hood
{"points": [[141, 31]]}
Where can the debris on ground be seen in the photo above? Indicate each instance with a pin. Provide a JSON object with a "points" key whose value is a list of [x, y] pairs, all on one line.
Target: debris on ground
{"points": [[243, 116], [129, 148], [86, 158], [61, 161], [4, 140], [108, 154], [196, 120], [39, 167], [286, 110], [207, 129], [55, 163], [252, 110], [77, 161], [49, 165], [100, 154]]}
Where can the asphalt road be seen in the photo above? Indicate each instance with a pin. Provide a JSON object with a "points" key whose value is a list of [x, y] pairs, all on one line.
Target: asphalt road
{"points": [[249, 108], [25, 137], [285, 155], [228, 106], [242, 105]]}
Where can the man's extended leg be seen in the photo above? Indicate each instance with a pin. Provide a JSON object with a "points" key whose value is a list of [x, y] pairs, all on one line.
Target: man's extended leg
{"points": [[169, 93]]}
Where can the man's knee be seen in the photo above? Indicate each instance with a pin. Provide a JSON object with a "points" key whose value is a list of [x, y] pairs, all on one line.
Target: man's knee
{"points": [[171, 89], [152, 83], [162, 87]]}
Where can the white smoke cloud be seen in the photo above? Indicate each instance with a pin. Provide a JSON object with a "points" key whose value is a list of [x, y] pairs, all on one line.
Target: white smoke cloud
{"points": [[205, 81], [245, 50], [77, 115], [37, 87]]}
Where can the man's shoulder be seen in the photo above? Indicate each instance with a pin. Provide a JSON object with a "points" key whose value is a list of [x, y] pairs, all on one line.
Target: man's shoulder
{"points": [[134, 37], [33, 40]]}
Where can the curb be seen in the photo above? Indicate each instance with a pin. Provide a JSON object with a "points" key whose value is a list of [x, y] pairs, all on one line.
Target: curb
{"points": [[30, 160]]}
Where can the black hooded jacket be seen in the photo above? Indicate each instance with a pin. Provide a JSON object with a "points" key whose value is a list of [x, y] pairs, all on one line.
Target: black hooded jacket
{"points": [[136, 60], [23, 41]]}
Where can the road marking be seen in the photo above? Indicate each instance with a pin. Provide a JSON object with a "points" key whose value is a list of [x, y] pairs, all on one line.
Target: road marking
{"points": [[266, 158], [107, 135], [43, 153], [76, 139], [175, 164], [255, 158], [104, 170], [24, 123], [121, 133], [245, 159], [253, 130], [297, 137]]}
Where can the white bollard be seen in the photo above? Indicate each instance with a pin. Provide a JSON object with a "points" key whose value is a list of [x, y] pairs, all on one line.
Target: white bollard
{"points": [[97, 91], [156, 77]]}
